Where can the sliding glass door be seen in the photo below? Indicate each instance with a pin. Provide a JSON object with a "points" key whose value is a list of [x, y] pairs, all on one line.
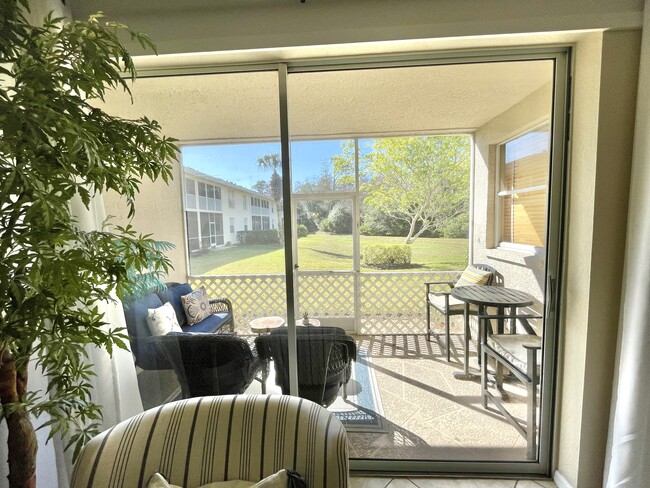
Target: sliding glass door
{"points": [[333, 193]]}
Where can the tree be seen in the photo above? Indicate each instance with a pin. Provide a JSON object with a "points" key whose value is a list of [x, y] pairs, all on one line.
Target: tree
{"points": [[423, 181], [56, 145], [272, 161], [262, 187]]}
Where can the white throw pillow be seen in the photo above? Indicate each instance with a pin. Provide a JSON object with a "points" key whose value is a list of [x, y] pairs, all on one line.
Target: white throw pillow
{"points": [[162, 320], [277, 480]]}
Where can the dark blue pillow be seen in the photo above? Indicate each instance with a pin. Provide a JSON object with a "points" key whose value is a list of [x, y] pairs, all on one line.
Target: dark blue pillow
{"points": [[173, 295]]}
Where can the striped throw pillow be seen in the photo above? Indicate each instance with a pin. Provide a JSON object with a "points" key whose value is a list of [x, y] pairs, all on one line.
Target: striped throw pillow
{"points": [[473, 276]]}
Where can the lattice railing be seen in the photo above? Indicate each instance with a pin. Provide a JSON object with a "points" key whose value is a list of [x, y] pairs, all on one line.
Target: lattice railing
{"points": [[387, 302]]}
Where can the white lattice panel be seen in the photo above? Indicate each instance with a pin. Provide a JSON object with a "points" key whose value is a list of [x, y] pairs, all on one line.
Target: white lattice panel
{"points": [[395, 303], [252, 296], [326, 294], [389, 303]]}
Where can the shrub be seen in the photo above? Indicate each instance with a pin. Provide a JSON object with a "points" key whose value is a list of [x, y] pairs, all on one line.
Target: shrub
{"points": [[458, 227], [247, 237], [325, 225], [374, 222], [306, 220], [386, 255], [340, 219], [302, 231]]}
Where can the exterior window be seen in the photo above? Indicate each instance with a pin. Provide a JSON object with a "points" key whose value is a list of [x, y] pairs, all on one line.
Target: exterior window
{"points": [[232, 225], [190, 193], [266, 223], [203, 196], [523, 175], [245, 200], [245, 223], [257, 222], [231, 199], [193, 237], [211, 230]]}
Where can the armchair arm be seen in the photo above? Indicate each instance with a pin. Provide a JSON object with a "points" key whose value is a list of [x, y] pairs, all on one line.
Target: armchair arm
{"points": [[220, 305], [522, 318], [448, 284], [223, 305]]}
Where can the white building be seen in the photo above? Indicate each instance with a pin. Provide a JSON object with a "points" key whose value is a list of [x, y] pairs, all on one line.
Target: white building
{"points": [[215, 210]]}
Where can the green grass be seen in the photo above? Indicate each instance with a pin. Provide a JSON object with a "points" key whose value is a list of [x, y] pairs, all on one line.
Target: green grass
{"points": [[325, 252]]}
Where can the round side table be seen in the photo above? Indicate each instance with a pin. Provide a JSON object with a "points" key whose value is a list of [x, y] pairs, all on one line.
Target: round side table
{"points": [[266, 324], [312, 323]]}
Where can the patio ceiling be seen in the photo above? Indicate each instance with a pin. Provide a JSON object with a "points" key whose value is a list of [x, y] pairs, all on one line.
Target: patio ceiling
{"points": [[242, 107]]}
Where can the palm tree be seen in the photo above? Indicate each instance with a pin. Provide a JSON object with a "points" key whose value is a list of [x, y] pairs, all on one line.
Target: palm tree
{"points": [[272, 161]]}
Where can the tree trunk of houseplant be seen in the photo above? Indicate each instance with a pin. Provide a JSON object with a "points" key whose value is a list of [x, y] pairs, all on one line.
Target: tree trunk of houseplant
{"points": [[21, 439]]}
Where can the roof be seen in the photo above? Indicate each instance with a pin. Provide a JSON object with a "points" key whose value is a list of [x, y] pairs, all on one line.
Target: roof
{"points": [[219, 181]]}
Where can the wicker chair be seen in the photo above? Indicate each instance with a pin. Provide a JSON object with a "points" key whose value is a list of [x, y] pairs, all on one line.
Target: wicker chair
{"points": [[438, 297], [202, 440], [324, 360], [212, 364]]}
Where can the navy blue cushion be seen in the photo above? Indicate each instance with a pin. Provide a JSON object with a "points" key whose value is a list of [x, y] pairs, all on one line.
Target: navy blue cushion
{"points": [[136, 314], [211, 323], [173, 295]]}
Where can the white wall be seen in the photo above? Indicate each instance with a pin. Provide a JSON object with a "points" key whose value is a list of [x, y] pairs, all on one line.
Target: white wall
{"points": [[204, 25], [602, 122], [523, 271]]}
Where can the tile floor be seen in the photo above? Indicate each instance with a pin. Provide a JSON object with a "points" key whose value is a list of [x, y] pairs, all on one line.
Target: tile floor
{"points": [[359, 482]]}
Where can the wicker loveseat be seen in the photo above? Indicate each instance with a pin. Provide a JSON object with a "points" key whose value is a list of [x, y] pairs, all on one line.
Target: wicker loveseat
{"points": [[146, 348]]}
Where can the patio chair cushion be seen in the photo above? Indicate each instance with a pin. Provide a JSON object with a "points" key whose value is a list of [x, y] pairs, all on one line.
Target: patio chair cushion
{"points": [[209, 324], [196, 305], [511, 347], [162, 320], [474, 276], [438, 301], [173, 294]]}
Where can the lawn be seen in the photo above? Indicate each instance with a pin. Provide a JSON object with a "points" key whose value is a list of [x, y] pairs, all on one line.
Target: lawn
{"points": [[325, 252]]}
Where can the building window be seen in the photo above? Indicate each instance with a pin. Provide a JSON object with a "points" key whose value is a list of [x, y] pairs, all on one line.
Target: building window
{"points": [[245, 200], [211, 229], [231, 199], [190, 193], [245, 223], [193, 237], [523, 185], [232, 225]]}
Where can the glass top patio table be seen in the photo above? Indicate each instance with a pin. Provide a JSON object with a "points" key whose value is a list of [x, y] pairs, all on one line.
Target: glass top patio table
{"points": [[487, 296]]}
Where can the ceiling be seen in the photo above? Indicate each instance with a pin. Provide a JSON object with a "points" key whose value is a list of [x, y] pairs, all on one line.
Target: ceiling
{"points": [[386, 101]]}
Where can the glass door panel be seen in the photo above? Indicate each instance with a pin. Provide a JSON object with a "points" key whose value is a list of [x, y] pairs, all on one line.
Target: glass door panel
{"points": [[324, 247], [418, 154]]}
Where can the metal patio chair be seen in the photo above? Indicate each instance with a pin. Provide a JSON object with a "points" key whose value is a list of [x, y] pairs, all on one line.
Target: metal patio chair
{"points": [[438, 296]]}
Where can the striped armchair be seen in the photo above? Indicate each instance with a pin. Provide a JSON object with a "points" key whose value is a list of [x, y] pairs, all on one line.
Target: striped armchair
{"points": [[201, 440]]}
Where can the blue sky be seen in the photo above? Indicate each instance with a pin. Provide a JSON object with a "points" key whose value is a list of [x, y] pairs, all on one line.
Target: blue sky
{"points": [[238, 162]]}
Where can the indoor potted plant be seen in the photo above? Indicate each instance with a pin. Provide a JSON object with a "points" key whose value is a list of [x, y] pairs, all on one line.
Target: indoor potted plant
{"points": [[55, 145]]}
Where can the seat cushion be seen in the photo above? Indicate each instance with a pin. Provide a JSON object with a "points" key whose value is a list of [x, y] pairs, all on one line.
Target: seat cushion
{"points": [[173, 295], [474, 276], [438, 301], [511, 347], [211, 323]]}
